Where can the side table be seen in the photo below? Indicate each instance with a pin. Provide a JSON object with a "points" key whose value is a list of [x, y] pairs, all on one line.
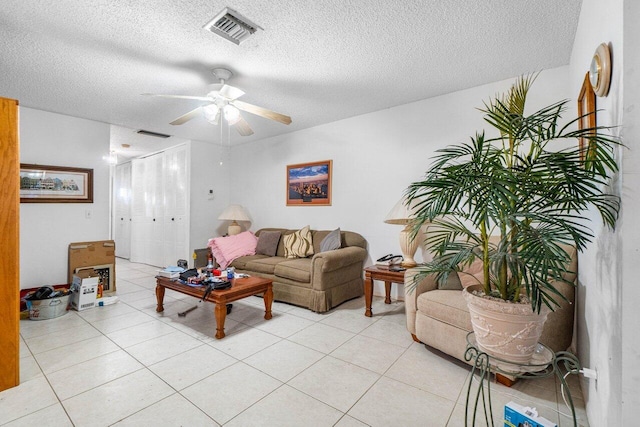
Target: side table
{"points": [[543, 364], [376, 272]]}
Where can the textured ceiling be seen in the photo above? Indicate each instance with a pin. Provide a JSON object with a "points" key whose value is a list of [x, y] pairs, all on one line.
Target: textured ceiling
{"points": [[317, 61]]}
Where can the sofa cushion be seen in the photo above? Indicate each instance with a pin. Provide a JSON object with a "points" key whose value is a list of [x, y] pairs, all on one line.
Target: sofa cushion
{"points": [[264, 265], [295, 269], [241, 263], [446, 306], [331, 241], [298, 244], [268, 243]]}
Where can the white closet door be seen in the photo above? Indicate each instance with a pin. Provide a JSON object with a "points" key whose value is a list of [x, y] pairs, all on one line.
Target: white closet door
{"points": [[138, 210], [155, 178], [160, 208], [122, 210], [176, 196], [147, 210], [183, 209]]}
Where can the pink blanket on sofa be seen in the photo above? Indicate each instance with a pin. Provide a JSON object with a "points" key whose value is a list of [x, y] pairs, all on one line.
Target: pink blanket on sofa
{"points": [[226, 249]]}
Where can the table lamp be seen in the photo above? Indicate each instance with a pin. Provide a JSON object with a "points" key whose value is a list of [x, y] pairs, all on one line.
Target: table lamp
{"points": [[402, 215], [234, 213]]}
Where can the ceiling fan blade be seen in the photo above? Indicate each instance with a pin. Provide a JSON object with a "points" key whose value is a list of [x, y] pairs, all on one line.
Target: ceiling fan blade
{"points": [[263, 112], [198, 98], [243, 127], [231, 92], [186, 117]]}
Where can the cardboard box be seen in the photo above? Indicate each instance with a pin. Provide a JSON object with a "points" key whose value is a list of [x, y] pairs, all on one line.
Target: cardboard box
{"points": [[98, 254], [84, 292], [523, 416], [104, 272]]}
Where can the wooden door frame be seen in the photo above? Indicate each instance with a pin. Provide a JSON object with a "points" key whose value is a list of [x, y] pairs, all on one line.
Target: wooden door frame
{"points": [[9, 249]]}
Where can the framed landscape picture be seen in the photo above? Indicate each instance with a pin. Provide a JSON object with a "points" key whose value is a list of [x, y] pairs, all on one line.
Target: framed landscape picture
{"points": [[55, 184], [309, 184]]}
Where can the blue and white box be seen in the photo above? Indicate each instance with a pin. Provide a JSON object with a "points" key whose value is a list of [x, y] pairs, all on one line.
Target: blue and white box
{"points": [[523, 416]]}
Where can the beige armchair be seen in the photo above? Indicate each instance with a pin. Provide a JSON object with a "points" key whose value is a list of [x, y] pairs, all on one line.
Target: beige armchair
{"points": [[440, 319]]}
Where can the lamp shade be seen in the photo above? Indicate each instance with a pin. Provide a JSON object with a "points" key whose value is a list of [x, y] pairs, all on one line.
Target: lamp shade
{"points": [[401, 214], [234, 213]]}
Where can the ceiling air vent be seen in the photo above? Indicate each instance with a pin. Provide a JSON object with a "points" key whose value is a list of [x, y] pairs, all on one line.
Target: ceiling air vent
{"points": [[156, 134], [232, 26]]}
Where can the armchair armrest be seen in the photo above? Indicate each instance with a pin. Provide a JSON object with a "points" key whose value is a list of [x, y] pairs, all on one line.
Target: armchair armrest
{"points": [[428, 283]]}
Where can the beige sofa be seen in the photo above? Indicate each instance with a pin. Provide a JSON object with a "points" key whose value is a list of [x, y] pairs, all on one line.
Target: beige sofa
{"points": [[440, 319], [319, 282]]}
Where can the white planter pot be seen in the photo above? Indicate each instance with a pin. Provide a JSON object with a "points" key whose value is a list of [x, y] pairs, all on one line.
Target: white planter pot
{"points": [[503, 329]]}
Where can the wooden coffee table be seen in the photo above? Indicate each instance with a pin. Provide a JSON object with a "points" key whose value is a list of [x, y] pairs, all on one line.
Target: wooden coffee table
{"points": [[240, 288]]}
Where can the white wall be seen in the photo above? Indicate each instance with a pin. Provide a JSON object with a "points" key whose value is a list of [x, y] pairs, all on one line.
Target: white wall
{"points": [[46, 229], [375, 157], [630, 369], [599, 289], [209, 171]]}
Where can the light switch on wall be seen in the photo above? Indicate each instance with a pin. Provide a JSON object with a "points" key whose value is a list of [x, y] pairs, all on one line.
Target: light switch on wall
{"points": [[88, 214]]}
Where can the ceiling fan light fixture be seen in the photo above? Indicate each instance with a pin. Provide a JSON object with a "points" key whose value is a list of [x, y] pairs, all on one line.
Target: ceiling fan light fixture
{"points": [[231, 114], [211, 112], [112, 158]]}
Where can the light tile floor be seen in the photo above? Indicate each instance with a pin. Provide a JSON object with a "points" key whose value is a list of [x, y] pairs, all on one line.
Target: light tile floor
{"points": [[127, 365]]}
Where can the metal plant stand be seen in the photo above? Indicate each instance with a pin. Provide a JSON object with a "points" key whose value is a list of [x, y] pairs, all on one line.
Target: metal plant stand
{"points": [[545, 363]]}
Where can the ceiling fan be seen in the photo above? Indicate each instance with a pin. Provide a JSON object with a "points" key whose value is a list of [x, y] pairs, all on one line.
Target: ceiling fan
{"points": [[223, 101]]}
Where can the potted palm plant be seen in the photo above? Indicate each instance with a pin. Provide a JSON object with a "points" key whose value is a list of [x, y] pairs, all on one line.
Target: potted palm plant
{"points": [[513, 202]]}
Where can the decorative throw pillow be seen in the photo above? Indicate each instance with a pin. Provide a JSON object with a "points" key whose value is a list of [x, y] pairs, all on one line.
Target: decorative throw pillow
{"points": [[471, 275], [298, 244], [467, 277], [226, 249], [452, 283], [331, 241], [268, 243]]}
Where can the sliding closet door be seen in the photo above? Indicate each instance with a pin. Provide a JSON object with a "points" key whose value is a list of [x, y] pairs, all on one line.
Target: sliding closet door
{"points": [[176, 205], [122, 210], [160, 207], [139, 225]]}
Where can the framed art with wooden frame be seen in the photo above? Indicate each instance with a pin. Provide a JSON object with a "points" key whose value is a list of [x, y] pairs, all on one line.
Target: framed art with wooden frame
{"points": [[309, 184], [55, 184], [586, 113]]}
